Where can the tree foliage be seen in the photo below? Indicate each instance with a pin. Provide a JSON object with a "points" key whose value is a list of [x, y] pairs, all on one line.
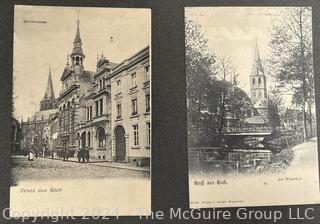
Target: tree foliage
{"points": [[211, 99], [291, 57]]}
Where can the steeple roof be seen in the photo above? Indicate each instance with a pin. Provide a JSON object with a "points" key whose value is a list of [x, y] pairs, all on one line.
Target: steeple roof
{"points": [[77, 37], [77, 44], [49, 94], [257, 68]]}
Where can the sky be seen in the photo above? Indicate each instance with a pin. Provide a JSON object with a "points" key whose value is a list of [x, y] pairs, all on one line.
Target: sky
{"points": [[233, 32], [43, 37]]}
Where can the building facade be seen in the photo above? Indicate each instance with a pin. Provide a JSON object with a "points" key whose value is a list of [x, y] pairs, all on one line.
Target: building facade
{"points": [[131, 108], [76, 82], [106, 111]]}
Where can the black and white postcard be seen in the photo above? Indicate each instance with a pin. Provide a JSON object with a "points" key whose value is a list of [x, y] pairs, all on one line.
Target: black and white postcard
{"points": [[251, 107], [82, 111]]}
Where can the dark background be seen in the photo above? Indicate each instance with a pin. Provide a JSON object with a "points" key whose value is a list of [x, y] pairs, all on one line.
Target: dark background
{"points": [[169, 139]]}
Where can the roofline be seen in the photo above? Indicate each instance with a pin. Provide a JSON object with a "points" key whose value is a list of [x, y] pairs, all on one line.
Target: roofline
{"points": [[115, 71], [143, 49]]}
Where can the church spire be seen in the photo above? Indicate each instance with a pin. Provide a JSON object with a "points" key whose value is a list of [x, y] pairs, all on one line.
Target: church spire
{"points": [[77, 56], [77, 37], [48, 102], [49, 94], [258, 83], [257, 68], [77, 44]]}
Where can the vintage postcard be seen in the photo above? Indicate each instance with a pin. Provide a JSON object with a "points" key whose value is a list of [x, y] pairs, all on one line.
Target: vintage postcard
{"points": [[251, 107], [82, 111]]}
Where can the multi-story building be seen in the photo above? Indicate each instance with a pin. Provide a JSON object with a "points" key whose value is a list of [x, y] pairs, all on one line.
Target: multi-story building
{"points": [[94, 132], [130, 108], [106, 111], [117, 111]]}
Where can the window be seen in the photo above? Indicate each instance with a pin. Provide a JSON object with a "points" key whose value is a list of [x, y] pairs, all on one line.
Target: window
{"points": [[90, 112], [148, 103], [118, 110], [97, 107], [101, 106], [147, 73], [148, 134], [100, 84], [259, 80], [104, 83], [119, 86], [253, 81], [135, 135], [133, 79], [101, 137], [134, 104]]}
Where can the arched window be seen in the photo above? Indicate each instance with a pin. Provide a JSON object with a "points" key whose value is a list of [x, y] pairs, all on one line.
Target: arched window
{"points": [[77, 60], [253, 81], [259, 80]]}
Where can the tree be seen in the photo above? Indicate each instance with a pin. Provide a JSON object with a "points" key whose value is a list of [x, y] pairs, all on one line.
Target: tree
{"points": [[211, 99], [199, 74], [225, 69], [291, 57], [275, 110]]}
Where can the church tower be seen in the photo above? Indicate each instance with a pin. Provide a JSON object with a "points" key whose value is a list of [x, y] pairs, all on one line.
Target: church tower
{"points": [[258, 85], [48, 101], [77, 56]]}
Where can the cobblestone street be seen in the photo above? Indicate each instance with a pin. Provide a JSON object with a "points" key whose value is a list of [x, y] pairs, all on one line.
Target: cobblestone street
{"points": [[48, 169]]}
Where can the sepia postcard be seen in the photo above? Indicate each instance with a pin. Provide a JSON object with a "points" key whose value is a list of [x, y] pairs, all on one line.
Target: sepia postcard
{"points": [[251, 106], [82, 112]]}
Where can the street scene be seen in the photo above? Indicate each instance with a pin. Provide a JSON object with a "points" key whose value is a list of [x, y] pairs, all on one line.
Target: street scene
{"points": [[81, 108], [250, 88], [46, 169], [102, 109]]}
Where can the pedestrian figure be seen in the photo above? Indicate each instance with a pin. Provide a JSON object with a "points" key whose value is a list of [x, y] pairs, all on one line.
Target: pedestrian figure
{"points": [[87, 156], [81, 155]]}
